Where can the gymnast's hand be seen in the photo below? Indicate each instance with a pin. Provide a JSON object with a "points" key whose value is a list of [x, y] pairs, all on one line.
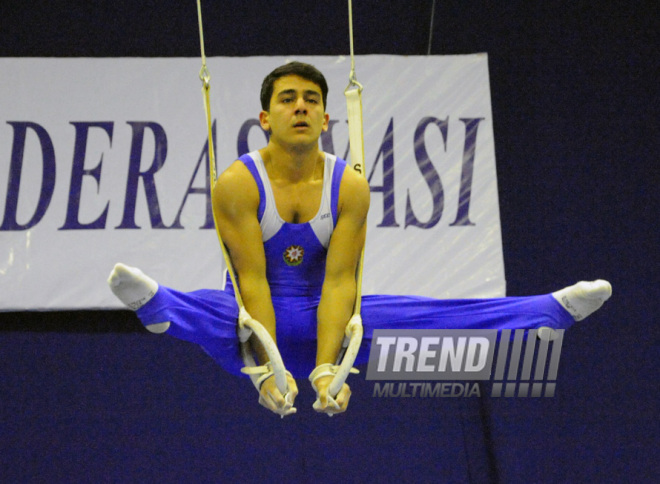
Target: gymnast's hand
{"points": [[271, 397], [325, 403]]}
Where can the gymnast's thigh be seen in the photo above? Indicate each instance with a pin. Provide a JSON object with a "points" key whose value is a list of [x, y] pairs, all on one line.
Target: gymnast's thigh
{"points": [[408, 312], [194, 316]]}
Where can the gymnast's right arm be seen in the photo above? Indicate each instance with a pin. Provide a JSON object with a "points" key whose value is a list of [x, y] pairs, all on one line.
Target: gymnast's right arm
{"points": [[236, 202]]}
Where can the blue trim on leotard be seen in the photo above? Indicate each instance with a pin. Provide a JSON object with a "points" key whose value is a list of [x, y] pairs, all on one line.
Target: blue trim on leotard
{"points": [[249, 163], [337, 174]]}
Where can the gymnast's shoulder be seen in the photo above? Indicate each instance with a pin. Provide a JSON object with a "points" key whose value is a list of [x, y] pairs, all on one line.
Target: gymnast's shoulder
{"points": [[236, 185], [354, 191]]}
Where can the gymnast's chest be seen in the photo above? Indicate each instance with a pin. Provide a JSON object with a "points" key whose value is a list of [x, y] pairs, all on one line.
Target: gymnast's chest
{"points": [[298, 203]]}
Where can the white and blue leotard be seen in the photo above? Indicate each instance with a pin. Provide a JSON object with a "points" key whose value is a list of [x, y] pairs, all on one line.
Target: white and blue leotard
{"points": [[295, 268]]}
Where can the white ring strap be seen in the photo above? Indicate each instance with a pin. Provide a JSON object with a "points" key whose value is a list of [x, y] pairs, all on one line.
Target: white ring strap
{"points": [[354, 330], [247, 325]]}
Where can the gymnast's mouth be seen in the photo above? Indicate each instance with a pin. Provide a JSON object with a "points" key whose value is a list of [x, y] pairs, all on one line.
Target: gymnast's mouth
{"points": [[301, 124]]}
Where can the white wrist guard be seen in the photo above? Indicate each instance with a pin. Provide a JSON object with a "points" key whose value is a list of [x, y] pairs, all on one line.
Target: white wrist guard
{"points": [[264, 372], [326, 369]]}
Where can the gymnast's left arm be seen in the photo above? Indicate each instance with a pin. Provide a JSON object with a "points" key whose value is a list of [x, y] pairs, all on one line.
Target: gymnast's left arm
{"points": [[339, 285]]}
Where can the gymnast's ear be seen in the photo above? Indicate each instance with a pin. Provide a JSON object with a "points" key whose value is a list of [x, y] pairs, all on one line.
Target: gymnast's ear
{"points": [[264, 120]]}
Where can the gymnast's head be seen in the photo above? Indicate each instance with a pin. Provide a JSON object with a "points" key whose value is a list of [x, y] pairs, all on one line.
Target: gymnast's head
{"points": [[300, 69]]}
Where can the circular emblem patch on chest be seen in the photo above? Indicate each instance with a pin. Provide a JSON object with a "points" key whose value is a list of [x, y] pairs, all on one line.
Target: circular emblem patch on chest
{"points": [[293, 255]]}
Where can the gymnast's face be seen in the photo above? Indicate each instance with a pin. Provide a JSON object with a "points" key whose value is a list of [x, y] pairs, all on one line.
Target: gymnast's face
{"points": [[297, 116]]}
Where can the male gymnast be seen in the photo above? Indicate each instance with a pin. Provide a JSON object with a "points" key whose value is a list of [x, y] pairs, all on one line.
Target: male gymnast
{"points": [[293, 219]]}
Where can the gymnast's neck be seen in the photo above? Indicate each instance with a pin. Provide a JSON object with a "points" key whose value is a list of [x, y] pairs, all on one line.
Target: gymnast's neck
{"points": [[297, 164]]}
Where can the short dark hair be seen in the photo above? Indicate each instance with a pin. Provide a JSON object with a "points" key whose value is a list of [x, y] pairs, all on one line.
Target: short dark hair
{"points": [[306, 71]]}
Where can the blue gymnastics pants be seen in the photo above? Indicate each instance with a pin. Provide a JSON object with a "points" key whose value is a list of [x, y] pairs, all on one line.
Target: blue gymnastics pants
{"points": [[209, 318]]}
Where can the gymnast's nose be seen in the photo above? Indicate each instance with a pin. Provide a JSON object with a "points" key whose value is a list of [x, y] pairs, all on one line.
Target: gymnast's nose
{"points": [[301, 106]]}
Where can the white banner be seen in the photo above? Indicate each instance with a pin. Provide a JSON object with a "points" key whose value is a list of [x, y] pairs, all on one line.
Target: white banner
{"points": [[104, 160]]}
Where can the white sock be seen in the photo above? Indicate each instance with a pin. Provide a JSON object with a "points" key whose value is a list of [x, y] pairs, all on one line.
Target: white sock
{"points": [[583, 298], [580, 300], [134, 288]]}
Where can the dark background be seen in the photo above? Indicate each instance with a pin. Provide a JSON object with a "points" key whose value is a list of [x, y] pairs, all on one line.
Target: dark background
{"points": [[90, 396]]}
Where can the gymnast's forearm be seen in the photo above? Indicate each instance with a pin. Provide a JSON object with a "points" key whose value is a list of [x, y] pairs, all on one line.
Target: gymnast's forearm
{"points": [[335, 309], [258, 303]]}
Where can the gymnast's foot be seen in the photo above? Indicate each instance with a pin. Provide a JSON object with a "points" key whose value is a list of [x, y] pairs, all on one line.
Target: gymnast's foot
{"points": [[134, 288], [584, 298], [580, 300]]}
